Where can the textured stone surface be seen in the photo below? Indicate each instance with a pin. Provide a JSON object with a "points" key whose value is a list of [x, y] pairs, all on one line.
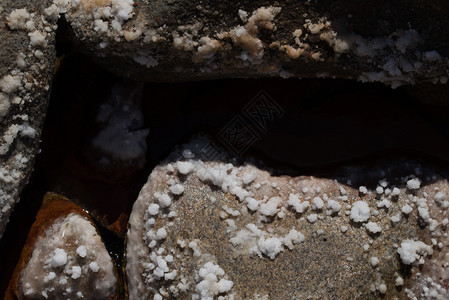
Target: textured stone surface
{"points": [[196, 214], [185, 40], [64, 257], [27, 59]]}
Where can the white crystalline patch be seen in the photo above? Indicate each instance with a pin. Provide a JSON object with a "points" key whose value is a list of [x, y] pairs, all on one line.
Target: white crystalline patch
{"points": [[395, 191], [28, 131], [18, 18], [292, 238], [59, 258], [94, 266], [249, 177], [176, 189], [373, 227], [413, 184], [76, 272], [243, 15], [252, 203], [360, 212], [382, 288], [379, 190], [171, 275], [123, 9], [153, 209], [407, 209], [318, 202], [210, 284], [299, 206], [163, 198], [363, 190], [253, 240], [333, 207], [384, 203], [270, 208], [50, 276], [37, 39], [184, 167], [374, 261], [161, 233], [395, 219], [412, 251], [196, 250], [440, 196], [5, 105], [9, 84], [52, 12], [231, 211], [424, 214], [102, 26], [81, 251], [270, 247], [312, 218]]}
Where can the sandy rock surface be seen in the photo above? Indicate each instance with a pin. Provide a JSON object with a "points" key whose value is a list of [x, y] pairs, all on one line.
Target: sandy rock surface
{"points": [[207, 229]]}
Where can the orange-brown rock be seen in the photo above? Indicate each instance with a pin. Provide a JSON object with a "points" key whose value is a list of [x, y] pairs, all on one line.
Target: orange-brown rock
{"points": [[64, 256]]}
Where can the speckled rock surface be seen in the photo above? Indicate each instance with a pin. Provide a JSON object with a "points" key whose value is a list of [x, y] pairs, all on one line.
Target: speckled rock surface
{"points": [[207, 229], [64, 257], [185, 40], [27, 60]]}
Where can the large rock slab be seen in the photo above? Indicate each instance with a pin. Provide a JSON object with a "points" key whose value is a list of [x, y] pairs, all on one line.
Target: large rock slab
{"points": [[185, 40], [207, 228], [64, 257], [27, 62]]}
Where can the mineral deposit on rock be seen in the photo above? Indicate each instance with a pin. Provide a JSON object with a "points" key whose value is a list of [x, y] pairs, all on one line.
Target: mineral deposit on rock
{"points": [[206, 228]]}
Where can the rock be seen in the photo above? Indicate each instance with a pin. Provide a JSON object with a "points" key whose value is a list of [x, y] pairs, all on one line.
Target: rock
{"points": [[183, 40], [118, 146], [64, 257], [27, 61], [204, 227]]}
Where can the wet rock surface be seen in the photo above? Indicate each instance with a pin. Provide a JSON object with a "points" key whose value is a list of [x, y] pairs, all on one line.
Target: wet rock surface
{"points": [[64, 257], [204, 229]]}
